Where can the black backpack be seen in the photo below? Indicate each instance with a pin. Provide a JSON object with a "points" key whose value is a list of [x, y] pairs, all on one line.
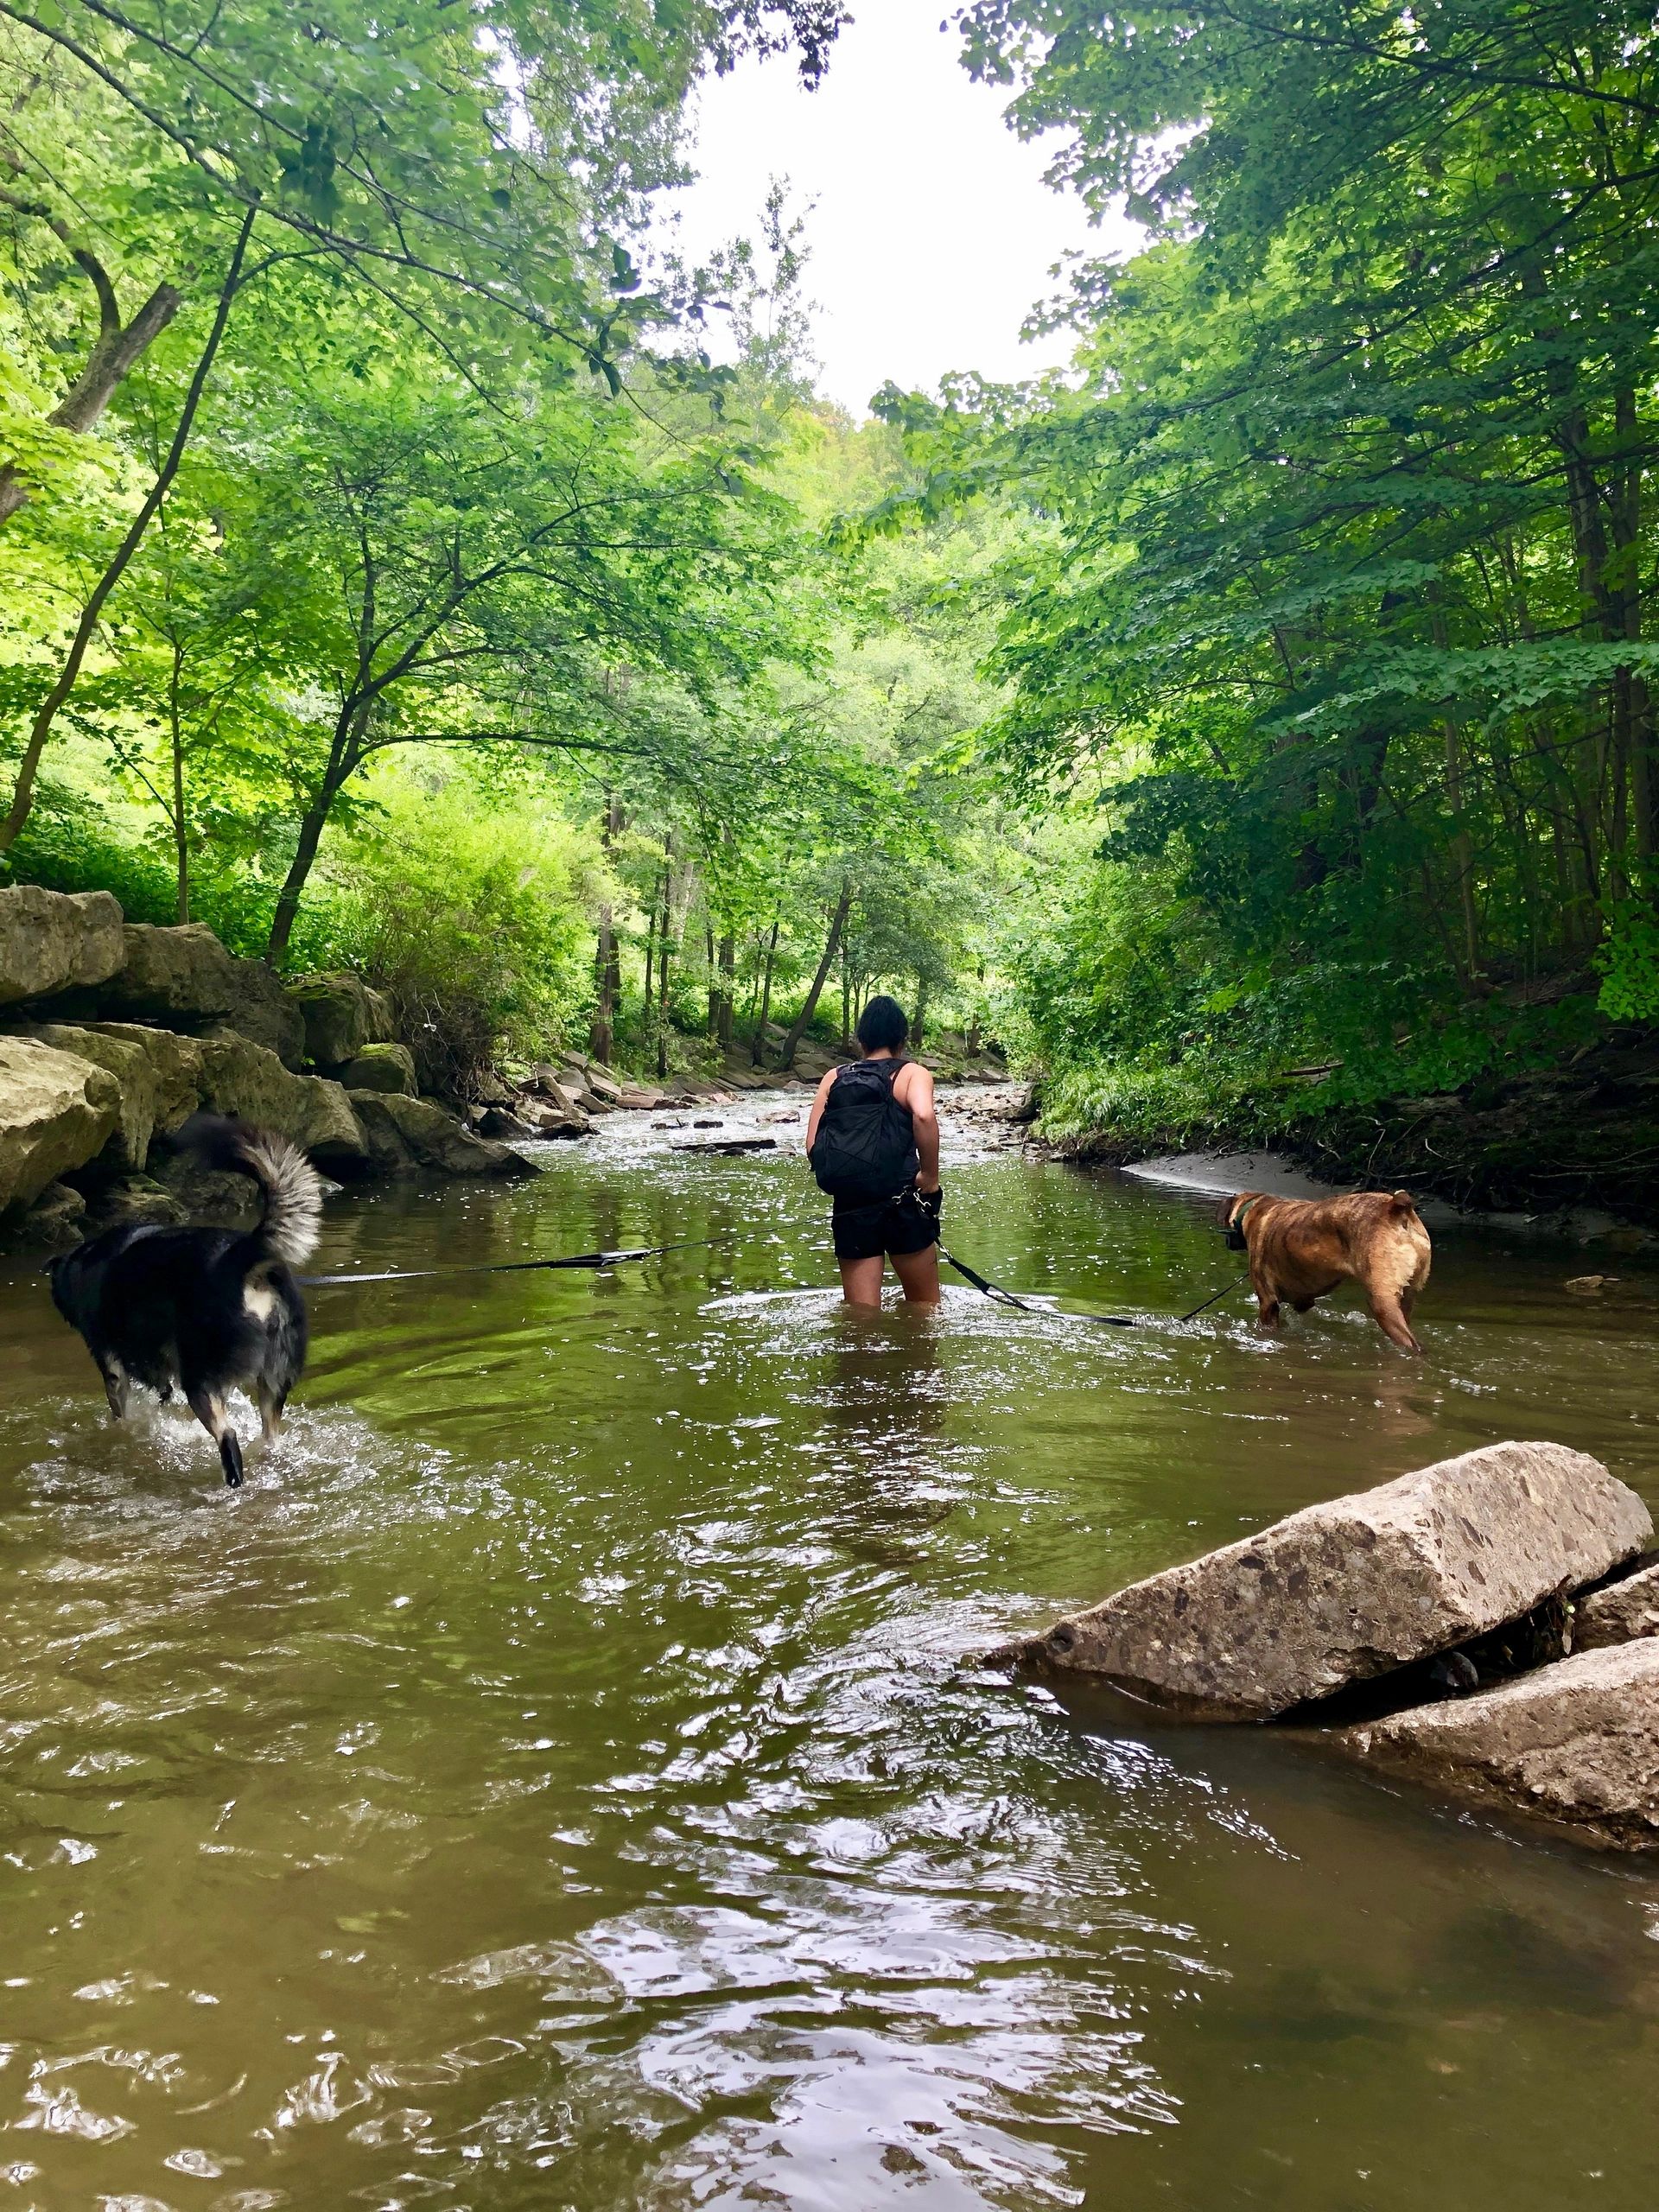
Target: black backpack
{"points": [[865, 1146]]}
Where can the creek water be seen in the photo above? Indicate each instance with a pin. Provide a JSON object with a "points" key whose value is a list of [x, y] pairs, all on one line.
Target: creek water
{"points": [[554, 1780]]}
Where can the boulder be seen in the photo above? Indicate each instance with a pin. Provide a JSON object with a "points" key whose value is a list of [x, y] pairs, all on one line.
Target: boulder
{"points": [[214, 1196], [135, 1201], [1619, 1614], [53, 941], [1576, 1742], [174, 1063], [552, 1119], [640, 1101], [380, 1067], [56, 1111], [1347, 1591], [342, 1016], [159, 1072], [56, 1221], [184, 976], [502, 1122], [406, 1134], [240, 1078], [598, 1082]]}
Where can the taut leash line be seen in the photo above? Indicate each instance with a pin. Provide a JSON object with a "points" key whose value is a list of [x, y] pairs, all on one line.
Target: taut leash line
{"points": [[515, 1267], [994, 1290], [1209, 1302]]}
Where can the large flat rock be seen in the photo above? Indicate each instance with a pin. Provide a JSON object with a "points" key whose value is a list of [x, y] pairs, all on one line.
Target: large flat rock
{"points": [[242, 1078], [1576, 1744], [159, 1074], [53, 941], [1345, 1591], [56, 1112]]}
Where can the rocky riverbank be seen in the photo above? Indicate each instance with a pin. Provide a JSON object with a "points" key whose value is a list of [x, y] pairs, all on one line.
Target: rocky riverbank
{"points": [[1575, 1145], [113, 1033]]}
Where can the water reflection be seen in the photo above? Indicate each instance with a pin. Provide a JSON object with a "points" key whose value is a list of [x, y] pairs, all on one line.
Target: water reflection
{"points": [[556, 1781]]}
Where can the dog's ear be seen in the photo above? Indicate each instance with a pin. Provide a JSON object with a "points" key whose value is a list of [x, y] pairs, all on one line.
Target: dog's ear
{"points": [[1224, 1211], [1402, 1202]]}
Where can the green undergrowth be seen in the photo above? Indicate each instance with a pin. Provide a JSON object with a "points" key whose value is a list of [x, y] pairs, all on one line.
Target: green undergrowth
{"points": [[1230, 1090]]}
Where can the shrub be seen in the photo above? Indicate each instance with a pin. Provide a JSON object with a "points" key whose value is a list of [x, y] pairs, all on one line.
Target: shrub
{"points": [[474, 919]]}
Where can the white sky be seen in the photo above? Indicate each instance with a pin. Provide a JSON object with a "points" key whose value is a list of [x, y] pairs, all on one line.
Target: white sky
{"points": [[933, 232]]}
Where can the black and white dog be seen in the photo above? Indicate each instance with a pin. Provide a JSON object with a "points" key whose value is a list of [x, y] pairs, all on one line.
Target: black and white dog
{"points": [[203, 1311]]}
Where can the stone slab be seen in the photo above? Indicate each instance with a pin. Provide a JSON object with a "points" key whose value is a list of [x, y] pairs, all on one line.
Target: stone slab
{"points": [[1618, 1614], [1344, 1592], [1576, 1744]]}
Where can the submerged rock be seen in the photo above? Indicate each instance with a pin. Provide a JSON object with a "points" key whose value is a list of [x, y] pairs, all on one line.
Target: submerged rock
{"points": [[55, 1223], [1620, 1613], [1576, 1744], [1347, 1591], [53, 941]]}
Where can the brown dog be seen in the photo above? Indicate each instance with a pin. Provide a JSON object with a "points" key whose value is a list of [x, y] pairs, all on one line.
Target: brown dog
{"points": [[1300, 1248]]}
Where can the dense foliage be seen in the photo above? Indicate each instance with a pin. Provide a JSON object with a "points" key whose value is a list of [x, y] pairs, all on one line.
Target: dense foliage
{"points": [[1257, 719], [1342, 632], [390, 577]]}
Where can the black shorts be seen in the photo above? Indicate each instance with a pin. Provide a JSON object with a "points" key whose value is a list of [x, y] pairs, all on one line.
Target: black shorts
{"points": [[866, 1232]]}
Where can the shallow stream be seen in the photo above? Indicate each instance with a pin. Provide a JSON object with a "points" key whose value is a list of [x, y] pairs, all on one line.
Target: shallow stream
{"points": [[555, 1782]]}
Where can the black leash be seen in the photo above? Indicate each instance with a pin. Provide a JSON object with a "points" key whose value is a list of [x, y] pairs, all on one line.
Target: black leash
{"points": [[994, 1290], [514, 1267], [1226, 1292]]}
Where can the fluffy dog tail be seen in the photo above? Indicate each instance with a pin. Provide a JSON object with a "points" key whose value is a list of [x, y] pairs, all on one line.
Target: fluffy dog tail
{"points": [[293, 1192], [291, 1186]]}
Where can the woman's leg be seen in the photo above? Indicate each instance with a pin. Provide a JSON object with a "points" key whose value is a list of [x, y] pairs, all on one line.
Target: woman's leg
{"points": [[919, 1275], [861, 1280]]}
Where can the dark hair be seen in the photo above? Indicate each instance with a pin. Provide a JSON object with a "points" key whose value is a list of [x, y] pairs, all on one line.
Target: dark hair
{"points": [[882, 1026]]}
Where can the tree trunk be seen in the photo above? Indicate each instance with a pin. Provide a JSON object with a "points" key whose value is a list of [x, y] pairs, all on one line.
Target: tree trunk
{"points": [[312, 825], [1461, 847], [607, 959], [180, 841], [23, 797], [917, 1028], [115, 350], [802, 1020], [727, 991], [662, 990], [662, 954], [758, 1045], [712, 1026]]}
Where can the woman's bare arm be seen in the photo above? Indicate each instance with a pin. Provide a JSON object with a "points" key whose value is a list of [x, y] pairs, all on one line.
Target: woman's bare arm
{"points": [[818, 1098], [917, 1093]]}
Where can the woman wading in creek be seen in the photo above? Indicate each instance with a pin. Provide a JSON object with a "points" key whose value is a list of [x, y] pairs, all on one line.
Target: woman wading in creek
{"points": [[873, 1138]]}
